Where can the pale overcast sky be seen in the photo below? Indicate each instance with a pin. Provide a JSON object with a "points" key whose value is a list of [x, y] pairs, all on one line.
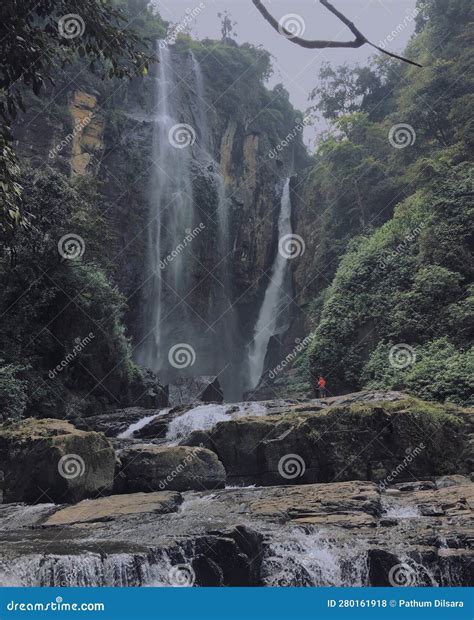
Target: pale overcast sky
{"points": [[297, 68]]}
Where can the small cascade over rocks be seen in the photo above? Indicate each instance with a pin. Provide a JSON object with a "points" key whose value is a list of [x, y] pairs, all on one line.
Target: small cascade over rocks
{"points": [[94, 570], [393, 509], [205, 417], [136, 426], [299, 558]]}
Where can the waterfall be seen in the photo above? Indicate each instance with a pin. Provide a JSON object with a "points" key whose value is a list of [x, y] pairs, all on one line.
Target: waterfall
{"points": [[188, 296], [171, 216], [274, 302]]}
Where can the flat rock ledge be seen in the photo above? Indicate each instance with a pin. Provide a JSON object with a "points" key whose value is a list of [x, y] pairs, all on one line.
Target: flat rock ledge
{"points": [[115, 507]]}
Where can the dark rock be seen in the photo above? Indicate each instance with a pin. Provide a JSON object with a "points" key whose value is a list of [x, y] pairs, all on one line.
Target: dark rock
{"points": [[204, 389], [363, 440], [177, 468], [114, 422], [52, 461], [423, 485], [147, 392]]}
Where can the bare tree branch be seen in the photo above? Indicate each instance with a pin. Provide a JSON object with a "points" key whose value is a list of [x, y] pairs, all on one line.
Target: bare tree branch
{"points": [[358, 41]]}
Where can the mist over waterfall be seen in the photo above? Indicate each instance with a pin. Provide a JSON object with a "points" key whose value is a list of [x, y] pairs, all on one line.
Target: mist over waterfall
{"points": [[272, 318], [189, 220]]}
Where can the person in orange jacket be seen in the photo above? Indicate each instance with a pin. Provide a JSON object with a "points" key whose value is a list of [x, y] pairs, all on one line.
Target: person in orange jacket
{"points": [[322, 387]]}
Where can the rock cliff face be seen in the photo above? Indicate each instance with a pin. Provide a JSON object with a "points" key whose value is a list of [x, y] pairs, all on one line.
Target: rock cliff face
{"points": [[104, 131]]}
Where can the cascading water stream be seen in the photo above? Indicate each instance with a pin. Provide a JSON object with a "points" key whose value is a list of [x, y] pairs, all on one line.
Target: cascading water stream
{"points": [[183, 303], [171, 215], [276, 296]]}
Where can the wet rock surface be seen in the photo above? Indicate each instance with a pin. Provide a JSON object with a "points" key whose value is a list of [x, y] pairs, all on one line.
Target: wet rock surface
{"points": [[298, 535], [411, 523]]}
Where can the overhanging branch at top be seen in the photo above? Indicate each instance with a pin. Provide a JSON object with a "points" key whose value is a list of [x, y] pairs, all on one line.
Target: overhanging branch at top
{"points": [[358, 41]]}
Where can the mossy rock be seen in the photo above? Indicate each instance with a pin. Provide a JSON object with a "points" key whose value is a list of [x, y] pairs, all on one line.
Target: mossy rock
{"points": [[52, 461]]}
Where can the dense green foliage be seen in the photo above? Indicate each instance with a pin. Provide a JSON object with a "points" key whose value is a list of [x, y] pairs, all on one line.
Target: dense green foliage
{"points": [[407, 281], [37, 38], [60, 311]]}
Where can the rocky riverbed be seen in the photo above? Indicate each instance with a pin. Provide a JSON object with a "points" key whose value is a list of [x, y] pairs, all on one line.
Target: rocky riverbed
{"points": [[157, 513]]}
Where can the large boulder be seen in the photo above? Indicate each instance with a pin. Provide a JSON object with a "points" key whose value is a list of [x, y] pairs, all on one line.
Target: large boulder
{"points": [[52, 461], [177, 468], [382, 441]]}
